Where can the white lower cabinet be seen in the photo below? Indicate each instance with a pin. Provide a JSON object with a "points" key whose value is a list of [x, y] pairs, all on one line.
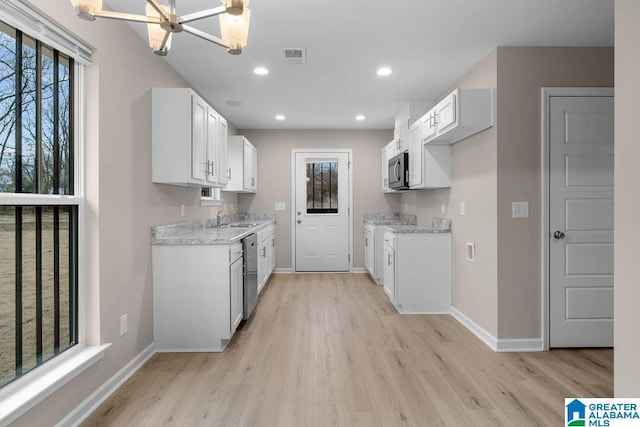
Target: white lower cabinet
{"points": [[266, 255], [237, 286], [197, 296], [369, 250], [417, 275], [389, 281]]}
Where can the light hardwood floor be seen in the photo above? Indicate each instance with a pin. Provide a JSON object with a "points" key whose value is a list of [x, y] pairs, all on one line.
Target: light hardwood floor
{"points": [[330, 350]]}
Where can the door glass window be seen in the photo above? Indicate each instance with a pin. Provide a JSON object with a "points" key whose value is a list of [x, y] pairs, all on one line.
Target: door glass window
{"points": [[322, 188]]}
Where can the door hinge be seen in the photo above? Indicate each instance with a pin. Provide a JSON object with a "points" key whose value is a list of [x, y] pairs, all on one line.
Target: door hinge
{"points": [[349, 257]]}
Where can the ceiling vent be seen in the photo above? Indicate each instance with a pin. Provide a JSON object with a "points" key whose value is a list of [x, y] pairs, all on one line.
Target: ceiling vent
{"points": [[295, 56]]}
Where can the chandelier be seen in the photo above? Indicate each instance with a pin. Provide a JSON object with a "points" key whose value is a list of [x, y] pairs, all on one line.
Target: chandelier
{"points": [[162, 22]]}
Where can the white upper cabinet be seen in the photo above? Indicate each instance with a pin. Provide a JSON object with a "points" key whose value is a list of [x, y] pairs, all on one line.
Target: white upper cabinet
{"points": [[409, 113], [459, 115], [242, 165], [223, 168], [386, 154], [187, 139], [429, 165], [415, 154]]}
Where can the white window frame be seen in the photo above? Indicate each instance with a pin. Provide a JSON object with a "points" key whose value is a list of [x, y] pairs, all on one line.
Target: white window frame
{"points": [[17, 397]]}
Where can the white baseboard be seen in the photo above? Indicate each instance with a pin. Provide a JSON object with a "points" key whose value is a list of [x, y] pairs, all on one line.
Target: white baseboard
{"points": [[359, 270], [518, 345], [98, 397], [282, 270], [476, 329], [498, 345]]}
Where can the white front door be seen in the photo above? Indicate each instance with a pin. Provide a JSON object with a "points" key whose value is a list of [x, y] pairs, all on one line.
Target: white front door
{"points": [[321, 219], [581, 221]]}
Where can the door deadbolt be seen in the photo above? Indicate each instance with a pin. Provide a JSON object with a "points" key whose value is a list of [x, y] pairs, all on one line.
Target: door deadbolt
{"points": [[558, 235], [299, 221], [299, 213]]}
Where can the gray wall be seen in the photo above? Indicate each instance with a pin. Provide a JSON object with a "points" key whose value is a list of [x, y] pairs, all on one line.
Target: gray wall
{"points": [[274, 178], [502, 291], [522, 72], [627, 201]]}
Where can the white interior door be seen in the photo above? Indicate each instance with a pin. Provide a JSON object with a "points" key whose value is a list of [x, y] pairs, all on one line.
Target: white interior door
{"points": [[581, 221], [321, 219]]}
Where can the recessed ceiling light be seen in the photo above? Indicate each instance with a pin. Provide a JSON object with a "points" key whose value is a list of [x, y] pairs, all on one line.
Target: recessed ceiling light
{"points": [[360, 117], [280, 117], [384, 71], [261, 71]]}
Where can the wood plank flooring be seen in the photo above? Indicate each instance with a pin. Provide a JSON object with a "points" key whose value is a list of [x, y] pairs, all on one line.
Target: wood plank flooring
{"points": [[330, 350]]}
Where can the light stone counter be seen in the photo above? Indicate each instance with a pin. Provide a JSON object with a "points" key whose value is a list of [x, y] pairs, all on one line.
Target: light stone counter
{"points": [[205, 232], [438, 225]]}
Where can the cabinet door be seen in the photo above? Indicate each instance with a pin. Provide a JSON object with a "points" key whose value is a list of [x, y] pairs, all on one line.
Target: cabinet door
{"points": [[389, 272], [212, 171], [415, 154], [221, 143], [250, 166], [428, 125], [272, 254], [262, 264], [198, 138], [387, 153], [236, 294], [446, 116], [369, 254]]}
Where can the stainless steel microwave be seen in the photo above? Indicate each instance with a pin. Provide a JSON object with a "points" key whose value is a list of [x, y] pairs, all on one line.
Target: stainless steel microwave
{"points": [[399, 171]]}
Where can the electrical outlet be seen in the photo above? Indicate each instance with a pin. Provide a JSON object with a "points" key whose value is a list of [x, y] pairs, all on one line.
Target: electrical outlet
{"points": [[463, 209], [280, 206], [442, 208], [123, 325], [181, 210]]}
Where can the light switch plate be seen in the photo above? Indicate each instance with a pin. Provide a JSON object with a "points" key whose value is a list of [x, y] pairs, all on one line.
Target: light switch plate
{"points": [[520, 210], [281, 206], [463, 209]]}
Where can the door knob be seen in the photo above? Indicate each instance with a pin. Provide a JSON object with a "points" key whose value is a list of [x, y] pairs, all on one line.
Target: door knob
{"points": [[299, 221], [558, 235]]}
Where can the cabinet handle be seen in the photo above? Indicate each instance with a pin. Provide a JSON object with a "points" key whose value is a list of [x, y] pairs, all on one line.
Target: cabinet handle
{"points": [[388, 259], [273, 243], [229, 173], [435, 119], [264, 252]]}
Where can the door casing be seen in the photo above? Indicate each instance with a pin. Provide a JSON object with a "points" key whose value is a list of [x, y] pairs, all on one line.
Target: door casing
{"points": [[295, 151], [547, 94]]}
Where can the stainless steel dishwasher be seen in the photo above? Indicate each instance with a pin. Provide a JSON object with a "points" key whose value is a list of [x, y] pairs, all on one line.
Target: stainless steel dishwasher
{"points": [[250, 274]]}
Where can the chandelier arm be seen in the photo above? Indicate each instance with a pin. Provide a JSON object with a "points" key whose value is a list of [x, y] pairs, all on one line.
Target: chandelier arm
{"points": [[127, 17], [204, 36], [158, 7], [163, 46], [172, 7], [202, 14]]}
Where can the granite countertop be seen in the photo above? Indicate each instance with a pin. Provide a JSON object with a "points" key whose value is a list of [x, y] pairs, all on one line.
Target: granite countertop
{"points": [[204, 232], [438, 225], [388, 218]]}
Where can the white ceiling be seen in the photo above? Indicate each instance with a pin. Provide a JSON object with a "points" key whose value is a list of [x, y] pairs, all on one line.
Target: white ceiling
{"points": [[429, 44]]}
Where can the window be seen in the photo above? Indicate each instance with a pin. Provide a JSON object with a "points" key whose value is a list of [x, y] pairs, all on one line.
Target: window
{"points": [[39, 204], [322, 188]]}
